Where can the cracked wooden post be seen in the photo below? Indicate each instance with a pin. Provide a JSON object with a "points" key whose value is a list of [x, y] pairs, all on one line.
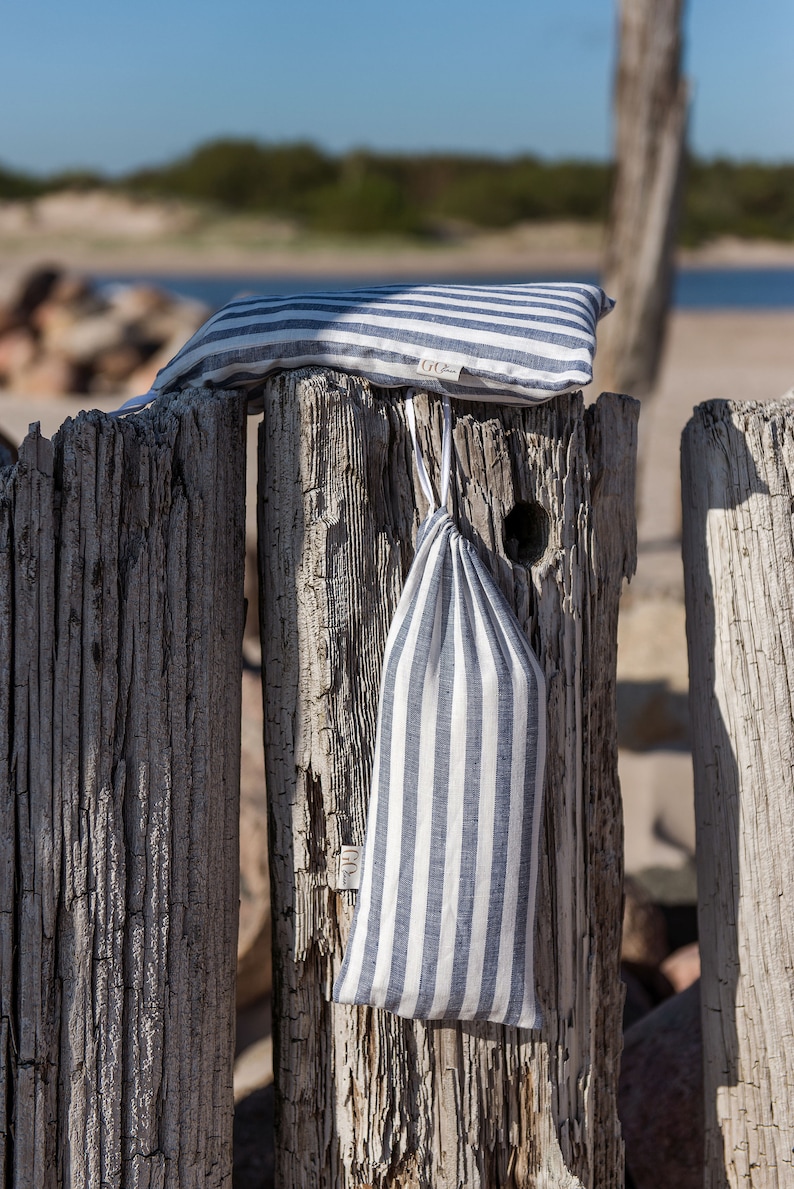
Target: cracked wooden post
{"points": [[121, 617], [363, 1097], [738, 494]]}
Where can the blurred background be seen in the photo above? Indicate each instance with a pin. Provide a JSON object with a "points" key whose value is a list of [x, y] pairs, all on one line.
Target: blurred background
{"points": [[157, 160]]}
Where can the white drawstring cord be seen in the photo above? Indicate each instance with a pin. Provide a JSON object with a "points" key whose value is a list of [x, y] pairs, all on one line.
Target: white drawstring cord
{"points": [[446, 451]]}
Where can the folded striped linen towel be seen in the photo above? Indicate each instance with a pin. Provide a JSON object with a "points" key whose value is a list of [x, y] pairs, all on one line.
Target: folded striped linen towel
{"points": [[514, 344], [443, 926]]}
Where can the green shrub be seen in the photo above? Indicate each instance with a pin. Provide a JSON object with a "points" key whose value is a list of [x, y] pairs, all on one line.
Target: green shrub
{"points": [[242, 175], [368, 193], [14, 186]]}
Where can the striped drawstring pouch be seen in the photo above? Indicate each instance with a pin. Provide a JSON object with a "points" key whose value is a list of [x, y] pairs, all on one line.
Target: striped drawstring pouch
{"points": [[443, 927]]}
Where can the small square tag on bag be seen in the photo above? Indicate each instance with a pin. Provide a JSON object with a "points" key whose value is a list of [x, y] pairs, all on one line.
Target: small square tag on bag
{"points": [[438, 368], [348, 875]]}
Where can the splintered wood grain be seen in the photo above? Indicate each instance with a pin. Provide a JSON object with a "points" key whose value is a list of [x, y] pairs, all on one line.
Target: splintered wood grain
{"points": [[738, 492], [364, 1097], [121, 617]]}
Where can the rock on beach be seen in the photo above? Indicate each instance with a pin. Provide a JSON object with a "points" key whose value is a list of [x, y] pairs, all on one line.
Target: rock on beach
{"points": [[61, 333], [660, 1098]]}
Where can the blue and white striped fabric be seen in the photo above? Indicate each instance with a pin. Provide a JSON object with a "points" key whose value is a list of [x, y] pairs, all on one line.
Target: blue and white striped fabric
{"points": [[444, 923], [514, 344]]}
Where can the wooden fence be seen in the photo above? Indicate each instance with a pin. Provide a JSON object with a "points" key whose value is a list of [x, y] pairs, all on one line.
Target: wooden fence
{"points": [[121, 618], [121, 614]]}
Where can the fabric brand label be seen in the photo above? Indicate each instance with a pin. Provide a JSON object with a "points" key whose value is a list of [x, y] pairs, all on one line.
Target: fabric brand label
{"points": [[439, 368], [348, 875]]}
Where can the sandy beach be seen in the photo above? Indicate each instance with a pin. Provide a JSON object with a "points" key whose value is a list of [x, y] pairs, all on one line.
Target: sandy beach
{"points": [[741, 356]]}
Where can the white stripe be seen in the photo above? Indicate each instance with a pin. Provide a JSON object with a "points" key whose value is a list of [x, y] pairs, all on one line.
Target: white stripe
{"points": [[485, 823], [424, 813], [504, 985]]}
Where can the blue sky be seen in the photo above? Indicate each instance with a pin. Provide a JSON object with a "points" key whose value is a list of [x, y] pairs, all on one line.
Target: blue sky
{"points": [[111, 86]]}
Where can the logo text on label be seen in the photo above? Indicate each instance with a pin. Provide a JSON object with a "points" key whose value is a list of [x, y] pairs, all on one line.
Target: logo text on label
{"points": [[349, 873], [439, 368]]}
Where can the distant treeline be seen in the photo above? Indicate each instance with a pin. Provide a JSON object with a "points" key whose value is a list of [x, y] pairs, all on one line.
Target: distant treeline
{"points": [[374, 193]]}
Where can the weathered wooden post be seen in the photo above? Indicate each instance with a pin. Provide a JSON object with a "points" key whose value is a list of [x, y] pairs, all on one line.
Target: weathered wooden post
{"points": [[121, 617], [738, 493], [651, 104], [365, 1098]]}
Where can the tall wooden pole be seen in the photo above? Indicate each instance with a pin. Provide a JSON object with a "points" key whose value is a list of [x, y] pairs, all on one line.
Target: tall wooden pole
{"points": [[738, 493], [363, 1097], [650, 133], [121, 618]]}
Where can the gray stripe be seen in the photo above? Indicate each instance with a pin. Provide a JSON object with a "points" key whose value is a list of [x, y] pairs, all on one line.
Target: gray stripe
{"points": [[441, 790], [379, 857], [504, 766], [471, 811], [411, 748]]}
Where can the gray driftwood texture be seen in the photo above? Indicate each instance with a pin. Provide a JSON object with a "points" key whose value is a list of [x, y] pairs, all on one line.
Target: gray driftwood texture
{"points": [[650, 119], [365, 1098], [121, 617], [738, 491]]}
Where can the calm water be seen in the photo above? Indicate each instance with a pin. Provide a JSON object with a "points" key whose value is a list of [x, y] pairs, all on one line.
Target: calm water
{"points": [[695, 288]]}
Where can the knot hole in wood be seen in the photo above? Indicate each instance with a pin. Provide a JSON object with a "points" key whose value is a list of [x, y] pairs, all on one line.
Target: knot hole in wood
{"points": [[526, 534]]}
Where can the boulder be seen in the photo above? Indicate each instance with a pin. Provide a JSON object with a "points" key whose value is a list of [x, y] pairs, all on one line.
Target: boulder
{"points": [[81, 340], [682, 967], [646, 987], [71, 300], [73, 288], [254, 1148], [142, 379], [59, 333], [111, 368], [253, 1068], [134, 302], [22, 290], [50, 376], [17, 353], [254, 965], [252, 647], [660, 1097], [645, 940]]}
